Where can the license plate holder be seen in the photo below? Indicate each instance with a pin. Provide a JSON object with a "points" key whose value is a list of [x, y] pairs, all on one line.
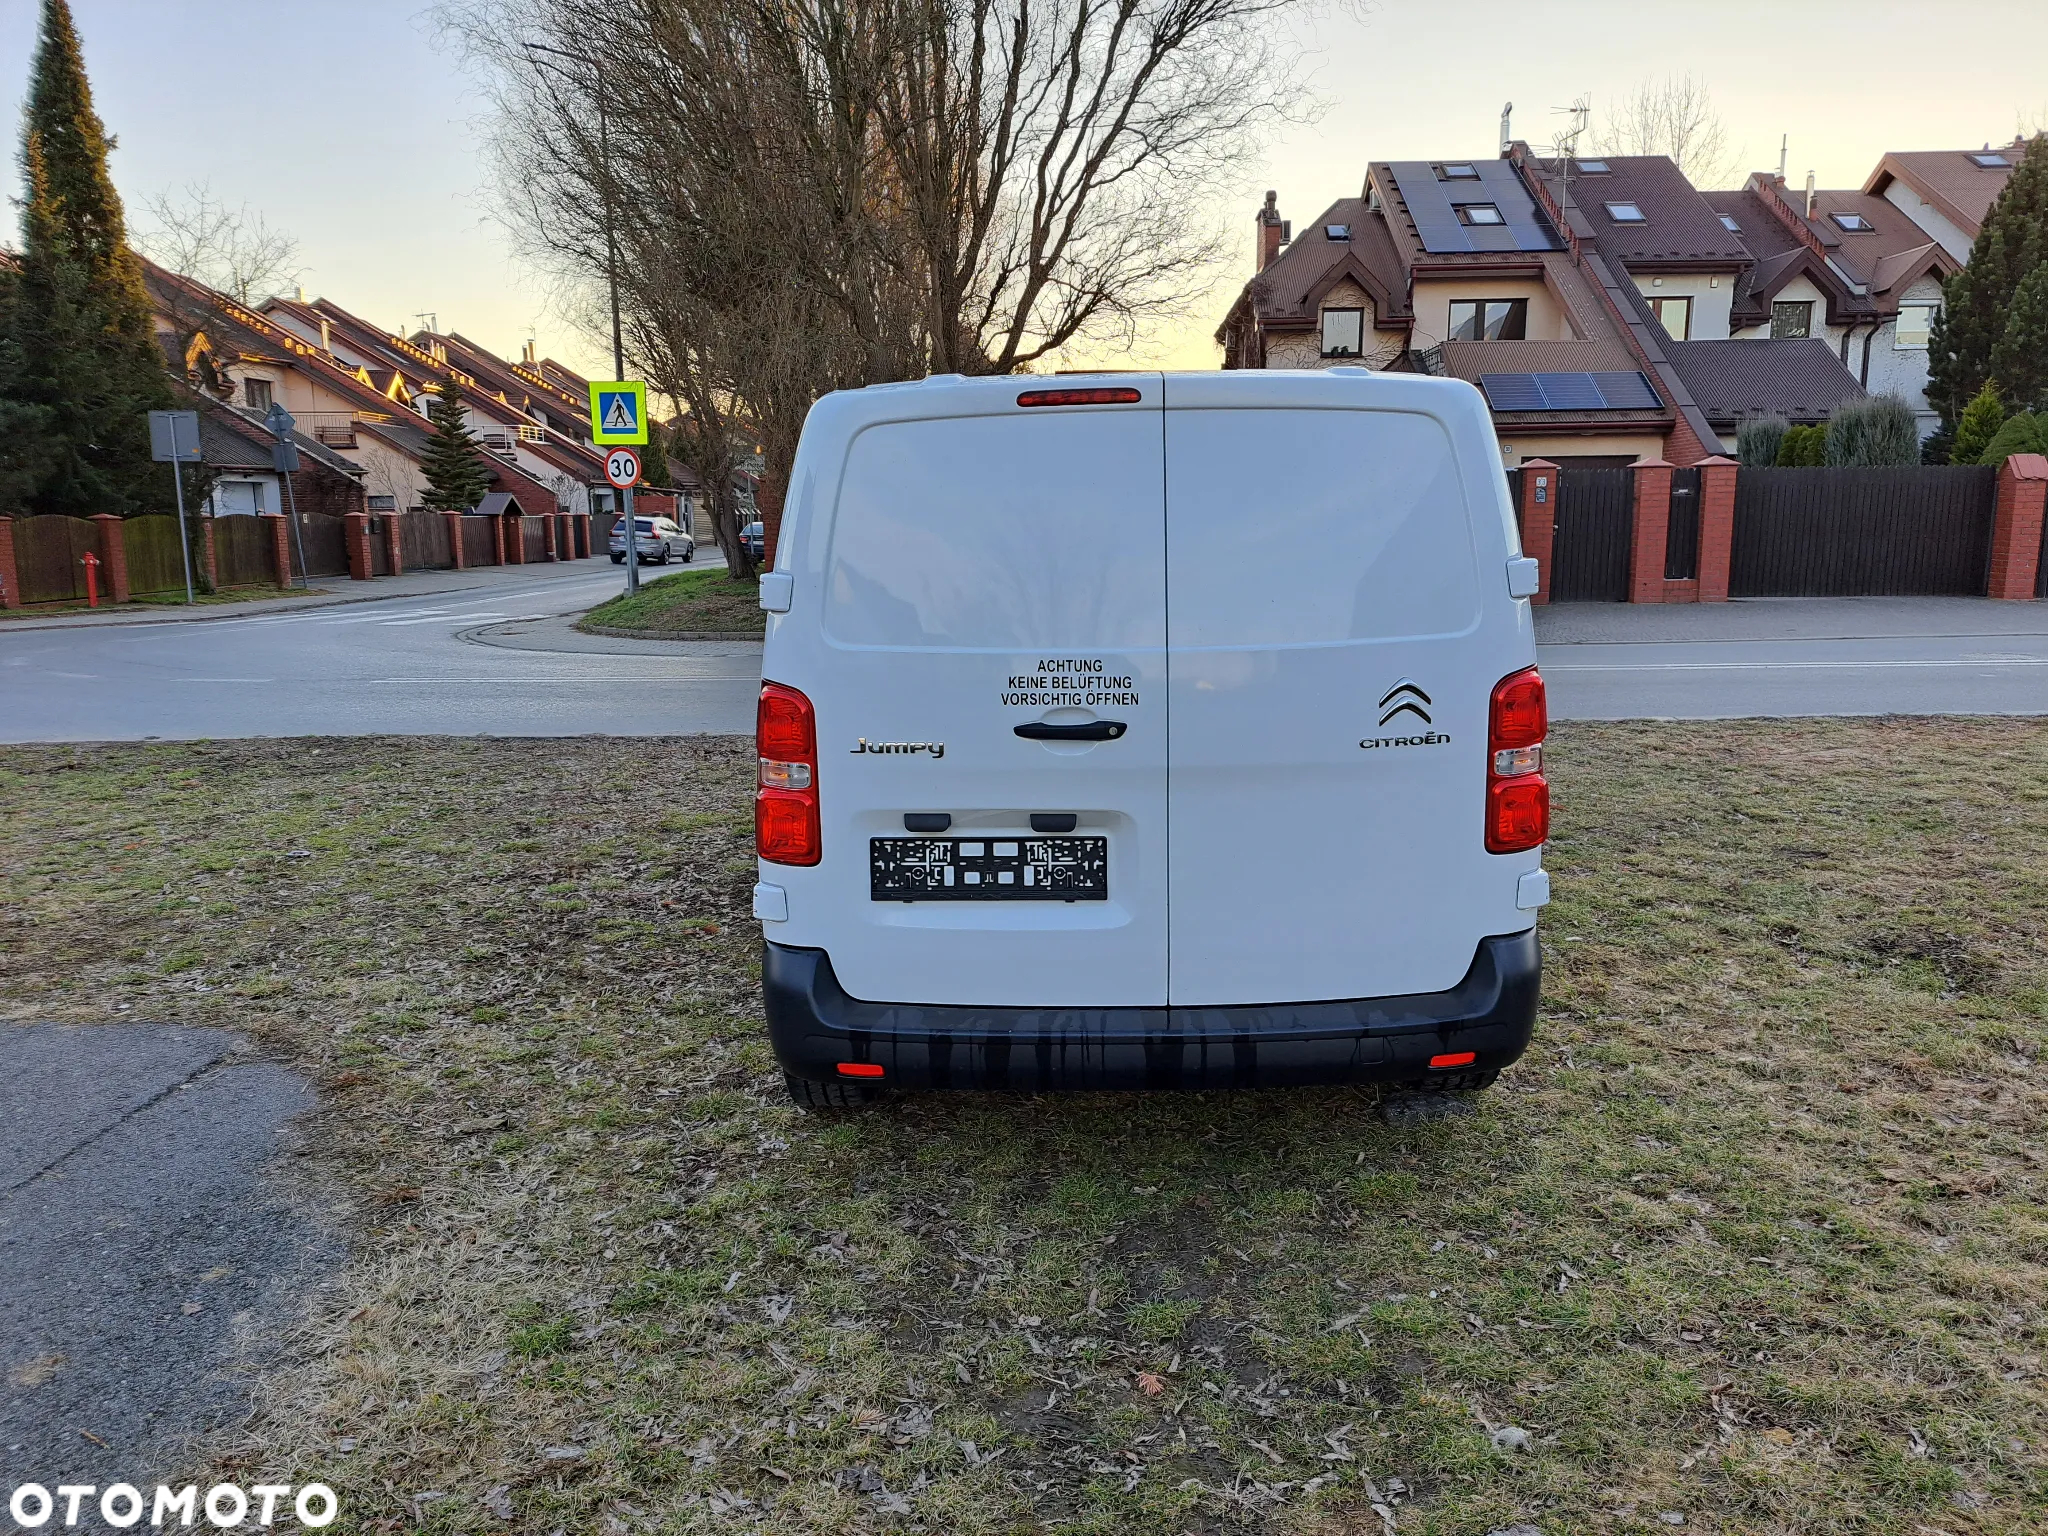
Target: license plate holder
{"points": [[988, 868]]}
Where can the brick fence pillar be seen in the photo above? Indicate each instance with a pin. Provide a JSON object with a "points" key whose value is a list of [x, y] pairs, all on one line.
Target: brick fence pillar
{"points": [[2016, 531], [280, 548], [209, 562], [1652, 528], [10, 580], [565, 536], [394, 549], [514, 535], [497, 541], [454, 522], [548, 547], [355, 533], [113, 556], [1539, 520], [583, 535], [1717, 526]]}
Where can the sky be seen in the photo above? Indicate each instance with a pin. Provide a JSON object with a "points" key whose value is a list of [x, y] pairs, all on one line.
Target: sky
{"points": [[352, 126]]}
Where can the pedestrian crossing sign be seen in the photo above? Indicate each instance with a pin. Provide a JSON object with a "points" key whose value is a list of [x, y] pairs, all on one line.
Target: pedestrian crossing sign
{"points": [[618, 412]]}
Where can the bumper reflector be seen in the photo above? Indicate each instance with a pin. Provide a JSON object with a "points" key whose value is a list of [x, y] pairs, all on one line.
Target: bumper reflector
{"points": [[870, 1069], [1448, 1059]]}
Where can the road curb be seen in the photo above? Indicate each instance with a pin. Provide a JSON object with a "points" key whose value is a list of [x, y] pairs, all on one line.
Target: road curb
{"points": [[617, 632]]}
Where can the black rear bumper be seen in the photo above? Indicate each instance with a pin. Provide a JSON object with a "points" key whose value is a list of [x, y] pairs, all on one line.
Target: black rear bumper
{"points": [[815, 1026]]}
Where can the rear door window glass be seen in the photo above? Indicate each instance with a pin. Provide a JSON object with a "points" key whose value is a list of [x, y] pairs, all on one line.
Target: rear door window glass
{"points": [[1302, 527], [1006, 532]]}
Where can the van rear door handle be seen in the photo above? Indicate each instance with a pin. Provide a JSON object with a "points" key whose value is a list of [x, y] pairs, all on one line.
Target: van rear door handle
{"points": [[1094, 730]]}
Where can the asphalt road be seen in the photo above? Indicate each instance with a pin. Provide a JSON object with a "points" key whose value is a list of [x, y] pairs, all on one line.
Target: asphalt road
{"points": [[500, 659], [394, 667], [144, 1235]]}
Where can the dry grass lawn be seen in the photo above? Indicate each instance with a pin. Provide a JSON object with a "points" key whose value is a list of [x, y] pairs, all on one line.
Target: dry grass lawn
{"points": [[1752, 1241]]}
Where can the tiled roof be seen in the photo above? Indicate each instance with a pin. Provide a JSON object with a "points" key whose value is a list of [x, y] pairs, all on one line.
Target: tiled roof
{"points": [[1286, 292], [1678, 223], [1802, 381], [1957, 186]]}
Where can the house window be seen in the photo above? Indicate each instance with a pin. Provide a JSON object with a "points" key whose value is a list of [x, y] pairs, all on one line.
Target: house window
{"points": [[257, 393], [1343, 332], [383, 503], [1728, 223], [1479, 213], [1791, 319], [1851, 221], [1460, 171], [1990, 162], [1915, 326], [1626, 213], [238, 498], [1675, 315], [1336, 231], [1489, 320], [1592, 167]]}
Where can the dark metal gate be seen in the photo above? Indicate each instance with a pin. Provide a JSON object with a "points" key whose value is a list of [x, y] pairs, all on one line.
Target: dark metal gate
{"points": [[1682, 527], [1901, 531], [1595, 517]]}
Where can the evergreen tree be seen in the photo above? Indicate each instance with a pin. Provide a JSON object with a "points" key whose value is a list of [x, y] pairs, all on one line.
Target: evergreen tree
{"points": [[79, 363], [456, 476], [2023, 433], [2020, 359], [1975, 302], [654, 468], [1758, 439], [1980, 422]]}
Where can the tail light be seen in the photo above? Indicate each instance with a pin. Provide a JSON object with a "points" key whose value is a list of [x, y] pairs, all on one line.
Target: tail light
{"points": [[1517, 794], [786, 829]]}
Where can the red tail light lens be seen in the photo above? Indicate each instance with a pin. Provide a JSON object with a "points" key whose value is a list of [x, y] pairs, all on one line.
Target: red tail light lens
{"points": [[786, 825], [1517, 794], [1118, 395], [1454, 1059], [859, 1069]]}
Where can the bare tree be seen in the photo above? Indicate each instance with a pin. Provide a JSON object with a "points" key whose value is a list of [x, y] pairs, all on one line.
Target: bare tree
{"points": [[1674, 116], [233, 250], [802, 195]]}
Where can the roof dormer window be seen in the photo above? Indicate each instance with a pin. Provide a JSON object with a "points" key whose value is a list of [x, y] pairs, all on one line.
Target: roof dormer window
{"points": [[1479, 213], [1990, 160], [1336, 231], [1463, 170], [1593, 168], [1728, 223], [1853, 222], [1626, 213]]}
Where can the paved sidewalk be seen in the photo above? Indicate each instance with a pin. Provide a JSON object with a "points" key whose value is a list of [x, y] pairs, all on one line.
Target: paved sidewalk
{"points": [[1786, 618], [328, 592], [560, 634]]}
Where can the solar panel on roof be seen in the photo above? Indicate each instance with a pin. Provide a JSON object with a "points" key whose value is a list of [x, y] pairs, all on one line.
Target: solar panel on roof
{"points": [[1621, 390], [1429, 203]]}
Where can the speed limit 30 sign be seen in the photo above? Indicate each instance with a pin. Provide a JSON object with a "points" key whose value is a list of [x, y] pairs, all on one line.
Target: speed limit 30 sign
{"points": [[622, 468]]}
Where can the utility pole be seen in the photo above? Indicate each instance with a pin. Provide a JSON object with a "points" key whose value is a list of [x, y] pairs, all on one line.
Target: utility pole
{"points": [[611, 272]]}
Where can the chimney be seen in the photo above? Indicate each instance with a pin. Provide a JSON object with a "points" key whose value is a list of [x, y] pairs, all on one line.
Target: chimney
{"points": [[326, 335], [1272, 231], [1784, 149], [1506, 139], [529, 351], [1809, 194]]}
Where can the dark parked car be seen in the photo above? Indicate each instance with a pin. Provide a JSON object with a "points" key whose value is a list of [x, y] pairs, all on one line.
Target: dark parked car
{"points": [[755, 537]]}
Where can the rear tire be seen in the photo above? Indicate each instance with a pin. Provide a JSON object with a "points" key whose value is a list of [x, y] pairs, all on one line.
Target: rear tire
{"points": [[813, 1097], [618, 559], [1456, 1082]]}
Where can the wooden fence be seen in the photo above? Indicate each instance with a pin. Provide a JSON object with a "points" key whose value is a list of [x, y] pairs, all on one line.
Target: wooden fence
{"points": [[244, 552], [156, 559], [423, 541], [326, 548], [49, 557]]}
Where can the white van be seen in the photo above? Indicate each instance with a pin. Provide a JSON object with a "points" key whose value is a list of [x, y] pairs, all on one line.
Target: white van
{"points": [[1075, 774]]}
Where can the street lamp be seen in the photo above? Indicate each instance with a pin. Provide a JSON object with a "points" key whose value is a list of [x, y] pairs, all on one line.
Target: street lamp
{"points": [[611, 267]]}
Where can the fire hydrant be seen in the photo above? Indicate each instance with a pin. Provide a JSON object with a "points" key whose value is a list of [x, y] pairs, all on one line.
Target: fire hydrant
{"points": [[92, 579]]}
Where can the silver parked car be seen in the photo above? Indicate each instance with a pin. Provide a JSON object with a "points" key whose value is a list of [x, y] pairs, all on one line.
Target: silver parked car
{"points": [[660, 541]]}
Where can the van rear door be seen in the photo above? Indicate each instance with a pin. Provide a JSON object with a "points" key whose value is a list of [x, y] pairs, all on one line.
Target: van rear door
{"points": [[1331, 656], [989, 647]]}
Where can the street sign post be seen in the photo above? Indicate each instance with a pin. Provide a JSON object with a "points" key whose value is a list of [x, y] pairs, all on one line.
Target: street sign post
{"points": [[618, 417], [174, 440], [618, 413], [284, 458]]}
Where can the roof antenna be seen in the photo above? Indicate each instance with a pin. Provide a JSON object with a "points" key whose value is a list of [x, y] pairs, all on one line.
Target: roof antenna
{"points": [[433, 320], [1565, 146], [1784, 148], [1506, 138]]}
